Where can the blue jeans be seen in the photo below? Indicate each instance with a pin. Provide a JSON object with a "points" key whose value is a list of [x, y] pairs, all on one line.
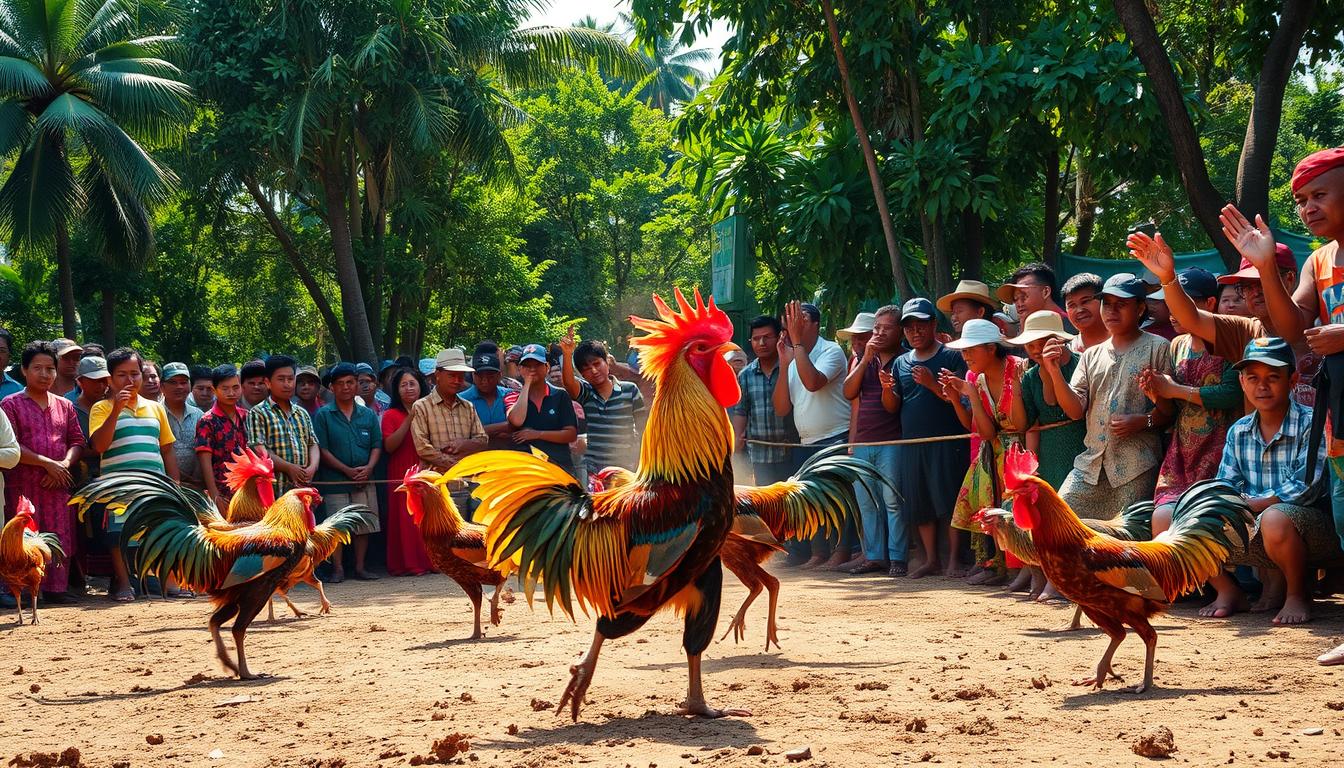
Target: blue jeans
{"points": [[1335, 465], [884, 533]]}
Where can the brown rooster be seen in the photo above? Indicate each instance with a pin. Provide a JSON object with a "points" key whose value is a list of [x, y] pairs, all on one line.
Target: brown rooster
{"points": [[1118, 583], [25, 554], [455, 546]]}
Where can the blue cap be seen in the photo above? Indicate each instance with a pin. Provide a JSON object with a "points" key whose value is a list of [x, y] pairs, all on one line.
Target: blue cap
{"points": [[534, 352], [1125, 285], [386, 364], [918, 308], [340, 370], [364, 369], [426, 366], [1270, 350]]}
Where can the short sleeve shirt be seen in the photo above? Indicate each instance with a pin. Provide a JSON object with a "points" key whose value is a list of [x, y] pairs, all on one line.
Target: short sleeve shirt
{"points": [[556, 412], [923, 413], [184, 442], [757, 407], [824, 413], [352, 441], [140, 434], [612, 439], [1107, 382], [222, 437], [288, 436], [873, 422]]}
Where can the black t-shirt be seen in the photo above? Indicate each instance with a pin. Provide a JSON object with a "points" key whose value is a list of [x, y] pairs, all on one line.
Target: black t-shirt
{"points": [[556, 412], [924, 414]]}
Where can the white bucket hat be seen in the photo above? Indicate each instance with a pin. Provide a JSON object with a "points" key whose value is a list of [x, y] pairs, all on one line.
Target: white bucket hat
{"points": [[863, 323], [977, 332]]}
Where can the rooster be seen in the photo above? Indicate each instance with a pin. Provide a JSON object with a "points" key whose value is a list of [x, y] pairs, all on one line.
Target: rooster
{"points": [[251, 478], [25, 554], [818, 497], [1118, 583], [169, 531], [455, 546], [630, 552]]}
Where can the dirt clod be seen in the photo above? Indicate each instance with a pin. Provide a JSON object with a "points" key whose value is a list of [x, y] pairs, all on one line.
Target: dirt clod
{"points": [[871, 685], [977, 691], [154, 738], [541, 705], [1157, 741], [801, 685], [512, 729], [917, 725], [982, 726], [34, 688], [450, 746], [798, 755], [755, 749]]}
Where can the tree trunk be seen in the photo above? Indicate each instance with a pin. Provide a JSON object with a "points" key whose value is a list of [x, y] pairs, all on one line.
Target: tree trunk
{"points": [[1084, 208], [973, 256], [1050, 225], [347, 272], [108, 316], [1205, 201], [300, 267], [66, 284], [930, 228], [869, 158], [390, 325], [1262, 129]]}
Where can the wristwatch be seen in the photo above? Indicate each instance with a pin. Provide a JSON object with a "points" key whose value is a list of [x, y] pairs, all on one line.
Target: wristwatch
{"points": [[1150, 419]]}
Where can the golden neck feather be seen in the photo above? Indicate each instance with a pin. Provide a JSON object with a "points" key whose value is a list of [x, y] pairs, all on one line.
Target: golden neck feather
{"points": [[688, 437], [288, 515], [11, 539]]}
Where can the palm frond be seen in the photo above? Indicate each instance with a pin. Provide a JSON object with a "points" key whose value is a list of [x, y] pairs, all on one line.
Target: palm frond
{"points": [[532, 57], [16, 127], [20, 78], [139, 98], [41, 192]]}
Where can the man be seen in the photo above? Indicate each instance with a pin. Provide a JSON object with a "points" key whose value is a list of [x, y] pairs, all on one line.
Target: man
{"points": [[1082, 304], [182, 419], [67, 366], [543, 415], [511, 372], [754, 416], [221, 434], [374, 397], [1318, 192], [445, 427], [254, 381], [1030, 289], [308, 390], [929, 475], [8, 384], [971, 301], [614, 410], [487, 396], [351, 443], [202, 388], [93, 380], [858, 333], [811, 390], [286, 432], [885, 541]]}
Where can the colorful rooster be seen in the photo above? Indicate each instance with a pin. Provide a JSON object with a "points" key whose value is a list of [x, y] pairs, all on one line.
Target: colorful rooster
{"points": [[25, 554], [251, 478], [455, 546], [1118, 583], [652, 544]]}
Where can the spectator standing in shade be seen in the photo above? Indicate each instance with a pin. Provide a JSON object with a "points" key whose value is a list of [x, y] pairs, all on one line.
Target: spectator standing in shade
{"points": [[754, 416], [1231, 301], [255, 387], [405, 549], [351, 442], [93, 385], [1082, 304], [8, 384], [221, 434], [50, 444], [812, 391], [1030, 289], [285, 431], [202, 388], [445, 427], [308, 390], [971, 301], [542, 415], [928, 475], [132, 433], [151, 381], [885, 541], [183, 417], [68, 354], [374, 398], [487, 396], [614, 410]]}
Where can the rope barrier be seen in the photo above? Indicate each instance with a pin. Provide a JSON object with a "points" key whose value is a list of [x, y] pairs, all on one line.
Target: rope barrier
{"points": [[911, 440]]}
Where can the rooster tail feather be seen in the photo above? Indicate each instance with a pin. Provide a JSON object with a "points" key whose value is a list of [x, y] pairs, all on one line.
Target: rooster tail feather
{"points": [[820, 496], [336, 530], [1194, 549]]}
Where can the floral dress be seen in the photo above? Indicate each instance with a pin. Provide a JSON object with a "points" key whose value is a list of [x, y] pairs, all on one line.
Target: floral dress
{"points": [[983, 485], [1200, 432]]}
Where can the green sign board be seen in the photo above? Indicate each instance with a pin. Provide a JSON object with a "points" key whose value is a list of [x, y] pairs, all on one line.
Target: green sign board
{"points": [[730, 263]]}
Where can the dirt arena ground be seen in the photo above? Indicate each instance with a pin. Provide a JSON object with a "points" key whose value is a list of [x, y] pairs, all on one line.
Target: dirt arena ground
{"points": [[874, 671]]}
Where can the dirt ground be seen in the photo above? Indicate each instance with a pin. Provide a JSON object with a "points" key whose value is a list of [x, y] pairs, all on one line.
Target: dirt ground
{"points": [[874, 671]]}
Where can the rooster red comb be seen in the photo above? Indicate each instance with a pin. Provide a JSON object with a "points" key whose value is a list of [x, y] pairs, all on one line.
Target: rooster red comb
{"points": [[246, 465], [25, 507], [666, 337], [1018, 465]]}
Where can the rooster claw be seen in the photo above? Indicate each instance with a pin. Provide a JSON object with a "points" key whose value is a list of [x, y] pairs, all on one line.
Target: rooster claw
{"points": [[580, 677]]}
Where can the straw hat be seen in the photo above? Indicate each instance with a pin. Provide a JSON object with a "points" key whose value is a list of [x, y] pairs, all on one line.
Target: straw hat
{"points": [[1041, 324], [970, 290]]}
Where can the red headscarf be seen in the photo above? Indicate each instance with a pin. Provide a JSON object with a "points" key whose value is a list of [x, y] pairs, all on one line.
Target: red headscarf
{"points": [[1315, 164]]}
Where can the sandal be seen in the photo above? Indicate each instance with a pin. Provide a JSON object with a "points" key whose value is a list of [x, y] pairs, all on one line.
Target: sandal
{"points": [[1332, 657], [898, 570], [126, 595]]}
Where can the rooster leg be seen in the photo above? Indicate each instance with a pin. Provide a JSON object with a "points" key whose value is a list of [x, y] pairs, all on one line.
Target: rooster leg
{"points": [[1076, 624], [699, 631], [298, 614], [223, 614], [474, 592], [270, 610], [1116, 631], [247, 611], [313, 582], [495, 614], [580, 677], [1149, 636], [738, 626], [771, 636], [34, 605], [18, 600]]}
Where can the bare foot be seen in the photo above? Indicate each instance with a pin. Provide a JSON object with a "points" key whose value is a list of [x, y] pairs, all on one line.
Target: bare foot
{"points": [[702, 709], [1296, 610], [929, 568], [1222, 607], [1021, 582], [955, 571], [983, 577], [1050, 595], [1269, 601]]}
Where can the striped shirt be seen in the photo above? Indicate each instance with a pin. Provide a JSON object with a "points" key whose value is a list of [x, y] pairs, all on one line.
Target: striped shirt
{"points": [[613, 438], [1276, 468], [138, 437], [287, 436], [437, 421], [874, 423], [757, 407]]}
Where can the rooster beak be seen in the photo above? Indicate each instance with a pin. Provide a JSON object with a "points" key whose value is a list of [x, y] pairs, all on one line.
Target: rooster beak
{"points": [[402, 489]]}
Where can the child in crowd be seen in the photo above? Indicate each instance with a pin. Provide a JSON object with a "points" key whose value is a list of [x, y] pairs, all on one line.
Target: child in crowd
{"points": [[614, 409], [1082, 303], [221, 434]]}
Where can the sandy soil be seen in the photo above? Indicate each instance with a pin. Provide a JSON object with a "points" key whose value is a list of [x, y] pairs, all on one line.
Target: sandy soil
{"points": [[874, 671]]}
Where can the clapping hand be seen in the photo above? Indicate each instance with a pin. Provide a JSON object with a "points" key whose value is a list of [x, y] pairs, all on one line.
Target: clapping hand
{"points": [[954, 386], [888, 381], [1156, 385], [925, 378], [793, 320], [1153, 253]]}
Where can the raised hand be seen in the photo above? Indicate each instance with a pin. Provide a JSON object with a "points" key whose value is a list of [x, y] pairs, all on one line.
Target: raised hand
{"points": [[1153, 253], [888, 381], [793, 320], [1054, 354], [1253, 241], [568, 342], [924, 377]]}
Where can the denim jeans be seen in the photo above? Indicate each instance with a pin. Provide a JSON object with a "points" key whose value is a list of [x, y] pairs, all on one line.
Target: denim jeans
{"points": [[1336, 468], [884, 533]]}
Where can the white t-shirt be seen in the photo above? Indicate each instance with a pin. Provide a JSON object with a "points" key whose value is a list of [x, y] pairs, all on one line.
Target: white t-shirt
{"points": [[824, 413]]}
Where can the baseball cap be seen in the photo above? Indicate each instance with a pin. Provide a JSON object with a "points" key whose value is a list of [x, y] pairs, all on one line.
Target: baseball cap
{"points": [[1125, 285], [175, 369], [386, 364], [485, 361], [513, 353], [918, 308], [1197, 282], [534, 352], [1041, 324], [364, 369], [339, 370], [976, 332], [1270, 350], [308, 370], [93, 368], [1283, 257], [452, 359], [64, 346], [863, 323]]}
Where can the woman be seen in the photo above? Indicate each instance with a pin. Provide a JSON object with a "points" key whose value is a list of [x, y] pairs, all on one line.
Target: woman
{"points": [[50, 444], [405, 550], [983, 403], [151, 381], [543, 414], [1055, 438]]}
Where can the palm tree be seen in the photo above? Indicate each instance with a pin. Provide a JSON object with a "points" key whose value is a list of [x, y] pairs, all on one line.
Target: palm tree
{"points": [[79, 97], [677, 72]]}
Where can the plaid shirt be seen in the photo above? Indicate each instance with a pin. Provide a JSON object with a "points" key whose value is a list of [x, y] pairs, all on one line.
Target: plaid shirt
{"points": [[288, 437], [758, 407], [1277, 468], [437, 421]]}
